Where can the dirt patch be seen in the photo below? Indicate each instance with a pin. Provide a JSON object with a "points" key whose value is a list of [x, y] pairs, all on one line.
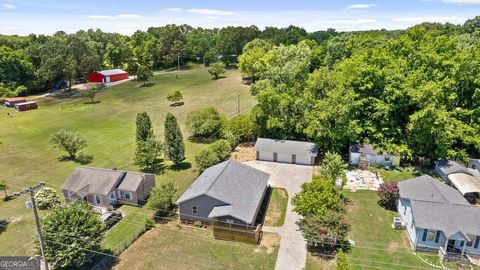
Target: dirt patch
{"points": [[392, 247], [244, 152], [273, 214], [282, 193], [269, 242]]}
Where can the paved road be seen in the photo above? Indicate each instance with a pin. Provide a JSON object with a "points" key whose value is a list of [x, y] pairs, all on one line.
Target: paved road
{"points": [[292, 254]]}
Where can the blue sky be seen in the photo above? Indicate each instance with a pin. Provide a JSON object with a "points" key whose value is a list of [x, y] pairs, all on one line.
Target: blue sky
{"points": [[125, 16]]}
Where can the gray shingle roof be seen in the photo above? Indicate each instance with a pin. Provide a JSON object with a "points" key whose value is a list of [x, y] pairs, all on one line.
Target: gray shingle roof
{"points": [[363, 148], [450, 166], [286, 146], [438, 206], [111, 72], [101, 181], [239, 186]]}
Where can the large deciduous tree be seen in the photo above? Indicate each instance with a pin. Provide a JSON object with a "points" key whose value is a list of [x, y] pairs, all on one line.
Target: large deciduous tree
{"points": [[70, 142]]}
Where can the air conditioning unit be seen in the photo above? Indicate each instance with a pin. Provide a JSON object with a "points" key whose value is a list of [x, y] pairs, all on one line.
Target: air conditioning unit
{"points": [[398, 223]]}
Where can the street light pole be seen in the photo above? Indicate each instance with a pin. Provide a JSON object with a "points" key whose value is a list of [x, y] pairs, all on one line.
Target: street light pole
{"points": [[37, 223]]}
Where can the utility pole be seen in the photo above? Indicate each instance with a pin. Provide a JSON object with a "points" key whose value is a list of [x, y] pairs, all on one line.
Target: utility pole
{"points": [[238, 104], [31, 190]]}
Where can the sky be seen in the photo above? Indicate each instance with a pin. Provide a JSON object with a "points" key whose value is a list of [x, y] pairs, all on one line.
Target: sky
{"points": [[23, 17]]}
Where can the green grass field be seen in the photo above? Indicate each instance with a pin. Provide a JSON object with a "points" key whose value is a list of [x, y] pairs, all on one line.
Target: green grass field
{"points": [[109, 127], [277, 207]]}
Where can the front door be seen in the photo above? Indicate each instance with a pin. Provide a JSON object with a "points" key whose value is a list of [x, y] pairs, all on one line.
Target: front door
{"points": [[107, 79], [451, 245]]}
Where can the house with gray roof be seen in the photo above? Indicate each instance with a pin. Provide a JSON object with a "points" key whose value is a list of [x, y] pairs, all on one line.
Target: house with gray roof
{"points": [[230, 192], [466, 180], [365, 154], [107, 187], [286, 151], [438, 218]]}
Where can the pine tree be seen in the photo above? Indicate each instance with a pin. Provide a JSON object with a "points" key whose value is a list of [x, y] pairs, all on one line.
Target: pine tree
{"points": [[144, 127], [174, 146]]}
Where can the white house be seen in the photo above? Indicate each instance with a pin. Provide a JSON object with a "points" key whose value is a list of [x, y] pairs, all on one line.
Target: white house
{"points": [[438, 218], [285, 151], [365, 153]]}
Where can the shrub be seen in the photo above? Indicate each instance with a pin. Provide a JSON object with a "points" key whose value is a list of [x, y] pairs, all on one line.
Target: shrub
{"points": [[221, 149], [242, 127], [204, 123], [342, 263], [162, 197], [217, 70], [46, 198], [317, 198], [388, 193], [174, 97], [332, 166], [198, 224], [206, 158], [149, 223]]}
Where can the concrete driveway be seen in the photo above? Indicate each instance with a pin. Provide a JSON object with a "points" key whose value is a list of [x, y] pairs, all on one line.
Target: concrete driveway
{"points": [[293, 251]]}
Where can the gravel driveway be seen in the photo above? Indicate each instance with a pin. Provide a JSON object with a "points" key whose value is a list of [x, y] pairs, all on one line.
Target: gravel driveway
{"points": [[292, 253]]}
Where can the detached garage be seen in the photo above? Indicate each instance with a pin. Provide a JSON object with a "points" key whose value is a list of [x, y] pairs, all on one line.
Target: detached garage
{"points": [[285, 151], [107, 76]]}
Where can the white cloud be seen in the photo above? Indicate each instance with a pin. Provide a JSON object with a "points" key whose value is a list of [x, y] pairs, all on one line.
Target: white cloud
{"points": [[115, 17], [177, 10], [462, 1], [8, 6], [210, 12], [361, 6], [429, 19], [356, 21]]}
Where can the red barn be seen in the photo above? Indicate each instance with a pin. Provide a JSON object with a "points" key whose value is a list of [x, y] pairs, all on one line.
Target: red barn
{"points": [[106, 76]]}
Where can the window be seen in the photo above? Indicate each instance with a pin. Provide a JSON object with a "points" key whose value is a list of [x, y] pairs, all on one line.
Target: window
{"points": [[194, 210], [473, 166], [472, 238], [126, 195], [69, 195], [431, 235], [229, 221], [97, 199]]}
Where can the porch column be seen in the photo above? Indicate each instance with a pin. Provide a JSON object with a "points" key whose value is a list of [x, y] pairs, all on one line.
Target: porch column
{"points": [[446, 244], [463, 248]]}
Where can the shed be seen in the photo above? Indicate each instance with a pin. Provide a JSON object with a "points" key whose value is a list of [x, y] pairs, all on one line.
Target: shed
{"points": [[107, 76], [25, 106], [10, 102], [466, 180], [295, 152], [366, 153]]}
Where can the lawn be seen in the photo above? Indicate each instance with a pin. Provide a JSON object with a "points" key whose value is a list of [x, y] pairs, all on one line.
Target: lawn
{"points": [[128, 229], [277, 207], [377, 245], [171, 246], [109, 127]]}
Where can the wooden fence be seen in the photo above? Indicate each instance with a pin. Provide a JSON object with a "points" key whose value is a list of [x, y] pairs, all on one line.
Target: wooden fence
{"points": [[232, 232]]}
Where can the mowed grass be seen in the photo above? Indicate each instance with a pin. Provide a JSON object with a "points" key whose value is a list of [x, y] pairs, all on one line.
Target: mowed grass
{"points": [[277, 207], [171, 246], [377, 245], [27, 156]]}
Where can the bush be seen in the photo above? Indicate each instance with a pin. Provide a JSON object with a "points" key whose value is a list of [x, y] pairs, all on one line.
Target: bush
{"points": [[206, 158], [242, 127], [174, 97], [388, 193], [161, 198], [342, 263], [221, 149], [317, 198], [149, 223], [204, 123], [217, 70], [46, 198], [332, 166]]}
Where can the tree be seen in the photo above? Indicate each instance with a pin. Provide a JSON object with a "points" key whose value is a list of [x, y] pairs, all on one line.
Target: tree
{"points": [[147, 155], [317, 198], [144, 73], [4, 188], [90, 93], [144, 127], [217, 70], [70, 142], [242, 127], [204, 123], [175, 96], [221, 149], [161, 198], [47, 197], [174, 146], [249, 61], [388, 193], [342, 263], [206, 158], [68, 227], [332, 166], [325, 231]]}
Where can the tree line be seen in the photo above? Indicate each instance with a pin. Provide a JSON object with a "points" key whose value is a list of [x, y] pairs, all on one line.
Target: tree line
{"points": [[414, 92], [34, 63]]}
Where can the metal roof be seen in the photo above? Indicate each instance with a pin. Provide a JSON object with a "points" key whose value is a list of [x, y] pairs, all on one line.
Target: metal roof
{"points": [[286, 146], [111, 72], [363, 149], [239, 186]]}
